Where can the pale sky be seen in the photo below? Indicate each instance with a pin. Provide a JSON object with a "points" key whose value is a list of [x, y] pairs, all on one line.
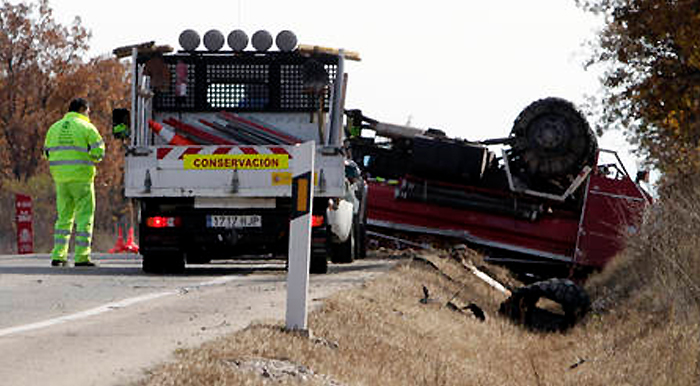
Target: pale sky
{"points": [[466, 67]]}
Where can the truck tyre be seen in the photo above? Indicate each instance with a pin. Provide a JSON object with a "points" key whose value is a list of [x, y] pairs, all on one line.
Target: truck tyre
{"points": [[175, 264], [318, 263], [552, 139], [360, 224], [359, 232], [197, 259], [344, 253], [521, 307], [163, 262], [361, 241], [152, 263]]}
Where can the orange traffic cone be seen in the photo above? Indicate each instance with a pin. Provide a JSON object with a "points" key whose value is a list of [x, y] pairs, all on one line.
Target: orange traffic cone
{"points": [[130, 245], [168, 135], [119, 245]]}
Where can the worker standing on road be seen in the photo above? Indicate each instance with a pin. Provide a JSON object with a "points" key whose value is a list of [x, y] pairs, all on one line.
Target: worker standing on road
{"points": [[73, 146]]}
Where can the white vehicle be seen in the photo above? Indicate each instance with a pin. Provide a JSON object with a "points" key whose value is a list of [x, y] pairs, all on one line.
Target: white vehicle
{"points": [[213, 143]]}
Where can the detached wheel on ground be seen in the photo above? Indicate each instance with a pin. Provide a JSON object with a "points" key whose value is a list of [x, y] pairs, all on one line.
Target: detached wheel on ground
{"points": [[521, 306]]}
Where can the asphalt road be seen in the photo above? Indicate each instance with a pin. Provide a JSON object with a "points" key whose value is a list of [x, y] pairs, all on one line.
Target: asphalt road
{"points": [[107, 325]]}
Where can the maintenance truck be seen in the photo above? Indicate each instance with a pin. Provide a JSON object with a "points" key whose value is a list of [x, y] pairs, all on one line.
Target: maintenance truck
{"points": [[211, 140]]}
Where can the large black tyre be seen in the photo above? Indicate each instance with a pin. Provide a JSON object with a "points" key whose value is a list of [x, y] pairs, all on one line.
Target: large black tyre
{"points": [[152, 263], [521, 306], [344, 253], [197, 259], [552, 139], [360, 226], [161, 262], [318, 263], [360, 241]]}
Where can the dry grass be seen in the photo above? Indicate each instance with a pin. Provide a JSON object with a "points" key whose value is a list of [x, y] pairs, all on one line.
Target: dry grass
{"points": [[644, 330], [659, 272], [385, 336]]}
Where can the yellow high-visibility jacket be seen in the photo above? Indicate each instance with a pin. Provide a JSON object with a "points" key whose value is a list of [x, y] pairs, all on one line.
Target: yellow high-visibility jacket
{"points": [[73, 146]]}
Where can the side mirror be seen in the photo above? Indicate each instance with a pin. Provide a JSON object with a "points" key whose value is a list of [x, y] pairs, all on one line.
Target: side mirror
{"points": [[121, 121], [642, 176]]}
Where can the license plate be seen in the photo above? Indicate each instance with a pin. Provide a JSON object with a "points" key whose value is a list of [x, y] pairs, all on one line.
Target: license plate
{"points": [[227, 221]]}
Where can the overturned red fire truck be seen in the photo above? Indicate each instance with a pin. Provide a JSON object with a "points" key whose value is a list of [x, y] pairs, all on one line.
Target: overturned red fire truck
{"points": [[550, 201]]}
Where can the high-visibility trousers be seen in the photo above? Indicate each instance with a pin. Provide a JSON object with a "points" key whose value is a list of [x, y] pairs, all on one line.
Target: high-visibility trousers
{"points": [[75, 202]]}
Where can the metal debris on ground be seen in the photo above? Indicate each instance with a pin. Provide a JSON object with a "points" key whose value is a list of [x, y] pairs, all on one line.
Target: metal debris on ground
{"points": [[476, 311], [426, 296], [325, 342]]}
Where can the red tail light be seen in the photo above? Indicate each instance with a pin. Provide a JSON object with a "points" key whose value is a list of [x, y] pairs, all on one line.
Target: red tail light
{"points": [[316, 221], [163, 222]]}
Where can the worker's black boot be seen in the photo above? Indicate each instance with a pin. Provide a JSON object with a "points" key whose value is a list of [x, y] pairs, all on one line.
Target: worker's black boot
{"points": [[86, 264]]}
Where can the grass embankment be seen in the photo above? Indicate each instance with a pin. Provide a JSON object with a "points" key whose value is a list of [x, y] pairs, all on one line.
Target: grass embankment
{"points": [[643, 329]]}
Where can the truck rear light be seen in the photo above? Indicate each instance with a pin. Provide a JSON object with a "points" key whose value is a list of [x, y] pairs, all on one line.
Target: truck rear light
{"points": [[316, 221], [163, 222]]}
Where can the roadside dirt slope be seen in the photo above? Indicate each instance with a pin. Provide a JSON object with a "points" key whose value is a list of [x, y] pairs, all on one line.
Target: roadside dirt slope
{"points": [[389, 333]]}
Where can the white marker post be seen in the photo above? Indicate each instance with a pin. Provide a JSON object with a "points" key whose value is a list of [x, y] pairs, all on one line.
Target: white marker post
{"points": [[300, 236]]}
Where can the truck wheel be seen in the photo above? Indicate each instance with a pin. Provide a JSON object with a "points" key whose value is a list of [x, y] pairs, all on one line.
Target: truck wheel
{"points": [[197, 259], [552, 139], [152, 263], [344, 253], [163, 263], [319, 251], [175, 264], [319, 261], [360, 230], [361, 242], [521, 306], [361, 222]]}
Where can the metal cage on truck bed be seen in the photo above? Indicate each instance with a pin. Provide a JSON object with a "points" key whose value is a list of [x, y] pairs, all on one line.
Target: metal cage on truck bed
{"points": [[240, 82]]}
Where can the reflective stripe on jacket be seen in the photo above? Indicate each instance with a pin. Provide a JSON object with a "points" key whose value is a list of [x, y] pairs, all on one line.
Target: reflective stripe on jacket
{"points": [[73, 146]]}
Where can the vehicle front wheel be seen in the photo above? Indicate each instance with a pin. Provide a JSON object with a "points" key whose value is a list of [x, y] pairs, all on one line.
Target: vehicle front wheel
{"points": [[344, 253], [360, 230]]}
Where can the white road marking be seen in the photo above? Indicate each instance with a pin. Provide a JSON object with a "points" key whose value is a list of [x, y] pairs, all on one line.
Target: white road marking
{"points": [[111, 306]]}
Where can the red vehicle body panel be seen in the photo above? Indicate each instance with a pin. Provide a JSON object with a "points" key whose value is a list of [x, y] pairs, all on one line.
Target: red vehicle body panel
{"points": [[613, 210], [589, 237]]}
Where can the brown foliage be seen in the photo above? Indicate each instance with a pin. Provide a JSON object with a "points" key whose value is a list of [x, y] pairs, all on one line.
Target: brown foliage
{"points": [[43, 67], [35, 53], [652, 79]]}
